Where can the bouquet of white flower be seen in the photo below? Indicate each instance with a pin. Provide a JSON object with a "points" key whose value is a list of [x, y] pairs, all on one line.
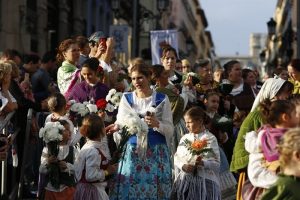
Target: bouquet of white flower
{"points": [[134, 126], [79, 110], [52, 135], [51, 132], [113, 99]]}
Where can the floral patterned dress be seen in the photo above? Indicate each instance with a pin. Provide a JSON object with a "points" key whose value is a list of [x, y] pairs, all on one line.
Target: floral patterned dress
{"points": [[149, 177]]}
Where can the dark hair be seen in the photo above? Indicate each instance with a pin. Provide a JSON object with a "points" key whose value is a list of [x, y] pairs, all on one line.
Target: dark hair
{"points": [[56, 102], [91, 63], [49, 56], [178, 60], [211, 92], [82, 41], [228, 67], [63, 122], [10, 54], [198, 114], [168, 49], [200, 63], [286, 87], [63, 46], [271, 111], [279, 70], [156, 70], [92, 127], [34, 58], [141, 68], [295, 63], [246, 72]]}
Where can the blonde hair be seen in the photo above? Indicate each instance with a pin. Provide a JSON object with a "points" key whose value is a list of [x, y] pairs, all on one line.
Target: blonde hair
{"points": [[15, 72], [5, 68], [185, 62], [290, 142]]}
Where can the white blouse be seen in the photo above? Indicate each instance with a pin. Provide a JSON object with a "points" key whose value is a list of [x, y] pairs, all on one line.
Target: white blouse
{"points": [[142, 105], [90, 160], [211, 165], [258, 175]]}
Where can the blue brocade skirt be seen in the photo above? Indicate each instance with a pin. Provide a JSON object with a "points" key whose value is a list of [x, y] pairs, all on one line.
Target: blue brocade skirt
{"points": [[150, 178]]}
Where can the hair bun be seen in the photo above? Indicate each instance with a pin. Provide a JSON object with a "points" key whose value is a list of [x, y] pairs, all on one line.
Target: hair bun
{"points": [[83, 130]]}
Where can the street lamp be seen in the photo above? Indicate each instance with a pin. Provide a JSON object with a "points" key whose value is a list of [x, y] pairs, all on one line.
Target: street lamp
{"points": [[115, 5], [271, 27], [139, 13]]}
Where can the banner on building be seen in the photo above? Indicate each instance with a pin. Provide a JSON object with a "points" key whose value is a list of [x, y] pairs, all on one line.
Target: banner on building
{"points": [[160, 39], [120, 34]]}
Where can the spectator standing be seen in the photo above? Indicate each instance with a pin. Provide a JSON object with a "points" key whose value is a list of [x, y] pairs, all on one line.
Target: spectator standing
{"points": [[42, 84]]}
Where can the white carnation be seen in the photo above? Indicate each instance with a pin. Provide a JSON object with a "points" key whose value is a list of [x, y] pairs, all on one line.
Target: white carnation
{"points": [[109, 107], [92, 108], [192, 74], [152, 109], [75, 107], [110, 94], [223, 119], [71, 102], [51, 132], [83, 110], [116, 98]]}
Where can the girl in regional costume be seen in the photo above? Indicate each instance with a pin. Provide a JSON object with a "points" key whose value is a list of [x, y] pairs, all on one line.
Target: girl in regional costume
{"points": [[92, 165], [144, 169], [199, 175], [60, 185]]}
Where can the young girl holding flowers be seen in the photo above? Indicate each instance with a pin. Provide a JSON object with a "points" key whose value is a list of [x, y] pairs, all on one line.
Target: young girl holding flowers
{"points": [[57, 161], [92, 166], [57, 105], [198, 178]]}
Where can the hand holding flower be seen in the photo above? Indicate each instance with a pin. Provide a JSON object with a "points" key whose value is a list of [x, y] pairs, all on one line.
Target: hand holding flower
{"points": [[199, 161], [62, 165], [111, 169], [188, 168], [52, 159], [152, 121], [110, 129]]}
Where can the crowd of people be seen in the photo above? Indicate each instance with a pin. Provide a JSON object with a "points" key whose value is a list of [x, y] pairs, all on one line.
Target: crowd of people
{"points": [[168, 131]]}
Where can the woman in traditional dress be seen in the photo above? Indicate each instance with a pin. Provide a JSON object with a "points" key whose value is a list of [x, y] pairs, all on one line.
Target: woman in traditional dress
{"points": [[144, 170]]}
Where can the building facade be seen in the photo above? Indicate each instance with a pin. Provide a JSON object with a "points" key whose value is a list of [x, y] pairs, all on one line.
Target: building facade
{"points": [[39, 25]]}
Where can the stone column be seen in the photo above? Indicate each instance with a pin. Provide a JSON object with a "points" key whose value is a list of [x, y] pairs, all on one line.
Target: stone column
{"points": [[42, 31], [78, 17], [63, 31]]}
